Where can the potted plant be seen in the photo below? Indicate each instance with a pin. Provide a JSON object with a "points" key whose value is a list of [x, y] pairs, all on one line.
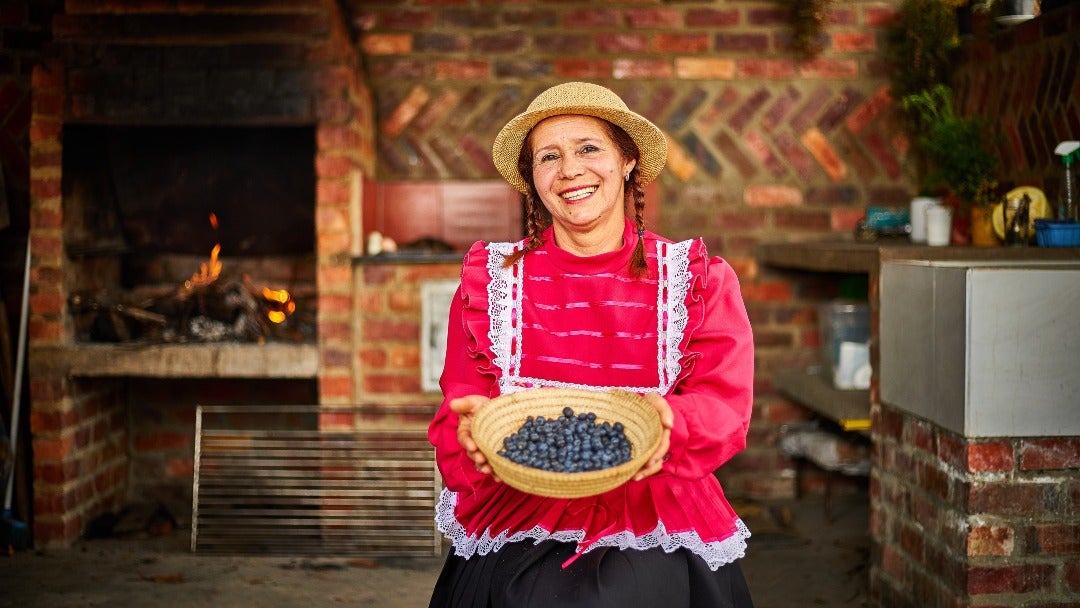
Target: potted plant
{"points": [[959, 155], [919, 43]]}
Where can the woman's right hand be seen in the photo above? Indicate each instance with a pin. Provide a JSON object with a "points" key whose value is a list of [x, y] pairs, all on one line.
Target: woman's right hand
{"points": [[466, 407]]}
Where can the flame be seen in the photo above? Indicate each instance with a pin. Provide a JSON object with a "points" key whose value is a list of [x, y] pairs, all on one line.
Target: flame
{"points": [[282, 304], [208, 271]]}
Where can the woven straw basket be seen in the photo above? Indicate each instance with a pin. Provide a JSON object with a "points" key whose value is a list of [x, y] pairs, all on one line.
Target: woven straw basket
{"points": [[504, 415]]}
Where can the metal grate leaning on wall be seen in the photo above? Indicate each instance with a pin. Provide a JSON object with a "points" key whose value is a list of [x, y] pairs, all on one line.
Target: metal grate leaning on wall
{"points": [[269, 482]]}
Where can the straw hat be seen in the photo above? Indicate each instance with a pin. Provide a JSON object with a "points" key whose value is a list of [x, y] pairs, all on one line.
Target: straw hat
{"points": [[579, 98]]}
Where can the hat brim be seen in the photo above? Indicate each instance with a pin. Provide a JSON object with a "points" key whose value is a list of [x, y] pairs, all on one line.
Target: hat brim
{"points": [[650, 140]]}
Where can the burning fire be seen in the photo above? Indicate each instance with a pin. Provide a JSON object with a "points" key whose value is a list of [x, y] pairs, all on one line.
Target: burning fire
{"points": [[281, 304], [210, 270], [278, 302]]}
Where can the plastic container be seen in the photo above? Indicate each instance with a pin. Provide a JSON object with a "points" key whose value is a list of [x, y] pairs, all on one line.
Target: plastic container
{"points": [[1057, 233], [845, 337]]}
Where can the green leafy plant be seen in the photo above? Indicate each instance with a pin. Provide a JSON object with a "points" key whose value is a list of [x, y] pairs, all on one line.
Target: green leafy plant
{"points": [[958, 150], [919, 44]]}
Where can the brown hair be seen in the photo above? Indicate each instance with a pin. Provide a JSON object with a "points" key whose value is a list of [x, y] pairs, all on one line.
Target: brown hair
{"points": [[537, 217]]}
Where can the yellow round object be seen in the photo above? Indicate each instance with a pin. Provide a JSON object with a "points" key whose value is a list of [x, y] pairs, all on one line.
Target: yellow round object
{"points": [[1038, 208]]}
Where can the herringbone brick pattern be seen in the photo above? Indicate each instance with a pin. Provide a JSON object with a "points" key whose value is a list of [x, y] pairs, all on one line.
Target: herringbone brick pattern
{"points": [[833, 136]]}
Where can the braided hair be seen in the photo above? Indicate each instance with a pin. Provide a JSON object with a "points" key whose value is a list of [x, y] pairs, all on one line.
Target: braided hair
{"points": [[538, 218]]}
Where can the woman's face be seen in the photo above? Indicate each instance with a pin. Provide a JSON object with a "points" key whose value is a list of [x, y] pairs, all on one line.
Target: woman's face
{"points": [[579, 173]]}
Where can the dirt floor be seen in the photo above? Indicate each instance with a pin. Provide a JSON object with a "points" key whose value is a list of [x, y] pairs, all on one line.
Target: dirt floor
{"points": [[795, 558]]}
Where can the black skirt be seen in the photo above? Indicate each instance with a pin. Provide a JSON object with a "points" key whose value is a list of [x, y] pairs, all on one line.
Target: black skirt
{"points": [[527, 575]]}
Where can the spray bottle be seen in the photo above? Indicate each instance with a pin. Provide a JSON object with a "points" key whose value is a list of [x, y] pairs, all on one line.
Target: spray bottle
{"points": [[1068, 195]]}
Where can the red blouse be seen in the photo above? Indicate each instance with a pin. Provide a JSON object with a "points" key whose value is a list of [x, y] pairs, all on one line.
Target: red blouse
{"points": [[555, 319]]}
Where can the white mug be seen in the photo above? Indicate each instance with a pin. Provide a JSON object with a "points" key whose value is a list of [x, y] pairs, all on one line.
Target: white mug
{"points": [[938, 225], [919, 204]]}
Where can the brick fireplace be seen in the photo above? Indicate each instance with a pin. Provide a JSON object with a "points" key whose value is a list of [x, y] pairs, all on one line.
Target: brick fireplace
{"points": [[143, 123]]}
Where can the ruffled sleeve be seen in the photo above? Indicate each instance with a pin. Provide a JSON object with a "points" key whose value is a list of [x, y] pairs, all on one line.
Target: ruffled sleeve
{"points": [[713, 397], [467, 370]]}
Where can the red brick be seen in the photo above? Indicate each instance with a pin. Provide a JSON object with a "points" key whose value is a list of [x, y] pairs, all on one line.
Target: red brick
{"points": [[952, 451], [826, 156], [765, 68], [680, 43], [1055, 453], [650, 18], [802, 220], [1072, 575], [891, 424], [1057, 538], [340, 276], [768, 16], [390, 330], [48, 187], [990, 540], [387, 44], [590, 18], [583, 68], [708, 17], [339, 387], [877, 16], [736, 42], [1009, 579], [334, 357], [642, 68], [402, 19], [772, 196], [1028, 499], [336, 137], [622, 43], [869, 111], [336, 330], [463, 70], [829, 69], [993, 456], [853, 42], [845, 220], [403, 358], [393, 384], [56, 473], [893, 563]]}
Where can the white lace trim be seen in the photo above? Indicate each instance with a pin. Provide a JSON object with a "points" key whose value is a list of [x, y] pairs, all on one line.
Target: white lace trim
{"points": [[504, 304], [673, 262], [714, 553]]}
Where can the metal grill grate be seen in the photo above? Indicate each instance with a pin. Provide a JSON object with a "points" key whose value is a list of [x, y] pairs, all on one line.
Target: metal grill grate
{"points": [[268, 481]]}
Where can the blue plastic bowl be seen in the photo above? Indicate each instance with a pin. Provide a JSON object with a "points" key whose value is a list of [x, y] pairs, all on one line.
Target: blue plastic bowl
{"points": [[1057, 233]]}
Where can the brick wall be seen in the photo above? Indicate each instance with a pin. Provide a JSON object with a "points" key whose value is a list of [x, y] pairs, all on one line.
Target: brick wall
{"points": [[1040, 102], [261, 64], [388, 332], [963, 522]]}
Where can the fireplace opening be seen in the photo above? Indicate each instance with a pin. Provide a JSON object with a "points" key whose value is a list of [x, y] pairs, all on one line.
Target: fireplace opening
{"points": [[190, 234]]}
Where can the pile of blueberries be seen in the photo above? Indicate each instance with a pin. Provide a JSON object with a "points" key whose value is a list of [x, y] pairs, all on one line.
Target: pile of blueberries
{"points": [[568, 444]]}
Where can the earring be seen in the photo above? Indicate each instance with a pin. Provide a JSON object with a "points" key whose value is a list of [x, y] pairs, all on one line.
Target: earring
{"points": [[627, 178]]}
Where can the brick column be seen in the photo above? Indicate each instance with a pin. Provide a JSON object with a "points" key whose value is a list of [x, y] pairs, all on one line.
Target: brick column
{"points": [[961, 522]]}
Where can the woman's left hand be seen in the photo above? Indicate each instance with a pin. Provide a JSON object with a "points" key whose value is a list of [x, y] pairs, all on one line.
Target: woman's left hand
{"points": [[667, 421]]}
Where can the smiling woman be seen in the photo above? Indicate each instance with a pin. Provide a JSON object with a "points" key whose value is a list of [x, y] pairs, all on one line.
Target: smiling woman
{"points": [[591, 300]]}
